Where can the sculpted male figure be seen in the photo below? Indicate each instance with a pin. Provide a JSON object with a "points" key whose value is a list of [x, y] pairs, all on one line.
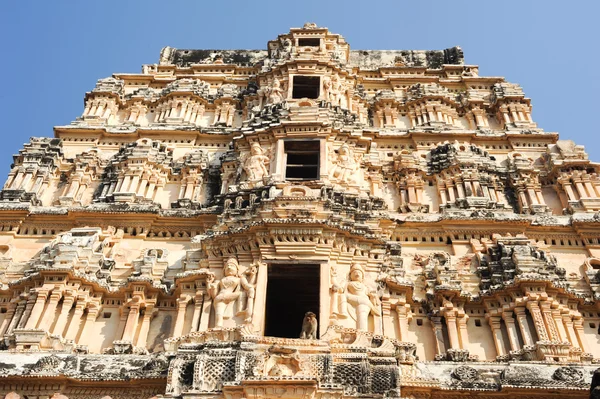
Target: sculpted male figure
{"points": [[362, 300]]}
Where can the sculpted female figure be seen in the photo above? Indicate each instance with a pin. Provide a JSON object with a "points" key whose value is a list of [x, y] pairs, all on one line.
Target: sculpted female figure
{"points": [[255, 165], [362, 300], [225, 292]]}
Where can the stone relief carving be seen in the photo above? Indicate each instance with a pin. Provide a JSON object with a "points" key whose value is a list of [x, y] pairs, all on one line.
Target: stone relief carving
{"points": [[234, 294], [346, 167], [354, 298], [255, 165]]}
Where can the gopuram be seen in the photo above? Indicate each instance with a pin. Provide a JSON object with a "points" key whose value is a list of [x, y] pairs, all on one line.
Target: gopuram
{"points": [[302, 222]]}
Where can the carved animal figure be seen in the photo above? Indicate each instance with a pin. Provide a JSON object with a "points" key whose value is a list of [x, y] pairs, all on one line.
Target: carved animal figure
{"points": [[309, 326]]}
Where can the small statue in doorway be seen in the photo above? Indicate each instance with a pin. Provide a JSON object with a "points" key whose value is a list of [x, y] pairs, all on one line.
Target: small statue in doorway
{"points": [[309, 326]]}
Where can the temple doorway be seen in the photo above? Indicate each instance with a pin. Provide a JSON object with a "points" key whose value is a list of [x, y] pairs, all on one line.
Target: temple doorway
{"points": [[292, 290]]}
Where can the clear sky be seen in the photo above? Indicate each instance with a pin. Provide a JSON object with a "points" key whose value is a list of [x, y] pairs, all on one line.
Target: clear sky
{"points": [[52, 52]]}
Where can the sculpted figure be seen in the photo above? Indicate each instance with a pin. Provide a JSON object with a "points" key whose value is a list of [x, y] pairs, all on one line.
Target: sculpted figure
{"points": [[335, 91], [345, 168], [309, 326], [248, 281], [276, 93], [225, 292], [255, 165], [362, 300]]}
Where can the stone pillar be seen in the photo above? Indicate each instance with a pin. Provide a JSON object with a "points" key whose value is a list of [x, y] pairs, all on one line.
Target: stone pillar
{"points": [[16, 318], [436, 323], [198, 302], [583, 344], [549, 321], [402, 312], [560, 327], [497, 334], [182, 302], [90, 320], [132, 322], [145, 328], [205, 316], [522, 319], [462, 330], [452, 330], [37, 310], [73, 328], [61, 323], [142, 187], [511, 328], [50, 312], [569, 191], [538, 321], [31, 300], [572, 337], [10, 313]]}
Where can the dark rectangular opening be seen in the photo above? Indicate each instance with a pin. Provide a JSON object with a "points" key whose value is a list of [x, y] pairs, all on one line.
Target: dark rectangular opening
{"points": [[309, 42], [302, 160], [306, 87], [292, 290]]}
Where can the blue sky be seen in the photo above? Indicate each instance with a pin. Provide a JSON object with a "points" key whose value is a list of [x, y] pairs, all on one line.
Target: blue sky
{"points": [[54, 51]]}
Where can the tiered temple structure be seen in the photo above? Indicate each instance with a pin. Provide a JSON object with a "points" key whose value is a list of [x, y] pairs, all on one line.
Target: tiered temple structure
{"points": [[169, 242]]}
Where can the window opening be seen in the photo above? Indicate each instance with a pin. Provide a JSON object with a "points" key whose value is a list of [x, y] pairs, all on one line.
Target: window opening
{"points": [[292, 290], [302, 160], [306, 87], [309, 42]]}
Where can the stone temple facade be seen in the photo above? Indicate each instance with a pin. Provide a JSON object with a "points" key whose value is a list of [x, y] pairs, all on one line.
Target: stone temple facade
{"points": [[169, 242]]}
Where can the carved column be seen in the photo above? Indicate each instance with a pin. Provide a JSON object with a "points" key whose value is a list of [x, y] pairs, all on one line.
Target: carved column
{"points": [[16, 318], [90, 320], [511, 329], [522, 319], [205, 316], [182, 302], [549, 321], [50, 312], [452, 330], [198, 302], [578, 326], [37, 310], [538, 320], [10, 312], [572, 337], [61, 323], [402, 312], [559, 325], [436, 323], [497, 334], [145, 328], [132, 322], [76, 320]]}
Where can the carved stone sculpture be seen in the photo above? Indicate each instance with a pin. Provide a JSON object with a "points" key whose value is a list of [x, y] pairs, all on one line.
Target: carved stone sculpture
{"points": [[355, 299], [255, 165], [225, 291]]}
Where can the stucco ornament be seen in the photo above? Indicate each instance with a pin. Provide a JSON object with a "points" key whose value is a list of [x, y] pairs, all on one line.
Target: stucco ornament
{"points": [[355, 299]]}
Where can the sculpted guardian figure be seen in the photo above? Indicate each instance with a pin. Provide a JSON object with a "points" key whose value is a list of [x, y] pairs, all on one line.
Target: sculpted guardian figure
{"points": [[355, 298]]}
